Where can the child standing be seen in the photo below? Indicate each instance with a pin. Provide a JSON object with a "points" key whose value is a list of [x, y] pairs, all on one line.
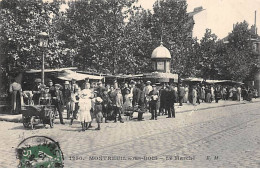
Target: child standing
{"points": [[85, 107]]}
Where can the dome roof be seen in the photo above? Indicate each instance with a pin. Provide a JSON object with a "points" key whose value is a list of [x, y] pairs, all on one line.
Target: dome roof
{"points": [[161, 52]]}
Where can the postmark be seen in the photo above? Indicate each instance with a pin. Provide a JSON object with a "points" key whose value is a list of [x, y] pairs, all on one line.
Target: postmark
{"points": [[39, 152]]}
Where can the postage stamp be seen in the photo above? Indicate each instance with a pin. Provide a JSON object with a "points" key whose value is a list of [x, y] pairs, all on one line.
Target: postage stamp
{"points": [[39, 152]]}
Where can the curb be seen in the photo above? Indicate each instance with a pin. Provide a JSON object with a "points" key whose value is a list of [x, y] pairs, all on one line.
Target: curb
{"points": [[216, 107], [18, 118]]}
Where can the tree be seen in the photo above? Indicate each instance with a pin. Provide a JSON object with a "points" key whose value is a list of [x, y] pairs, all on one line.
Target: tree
{"points": [[21, 22], [138, 43], [96, 28], [207, 61], [239, 60]]}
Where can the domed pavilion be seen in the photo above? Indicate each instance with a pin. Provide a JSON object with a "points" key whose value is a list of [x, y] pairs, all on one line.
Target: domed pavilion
{"points": [[161, 61]]}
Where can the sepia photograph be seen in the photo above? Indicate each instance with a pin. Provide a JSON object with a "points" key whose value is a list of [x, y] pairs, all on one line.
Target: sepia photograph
{"points": [[130, 83]]}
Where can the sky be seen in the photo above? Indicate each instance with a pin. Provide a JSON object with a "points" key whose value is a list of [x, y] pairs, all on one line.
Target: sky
{"points": [[219, 15]]}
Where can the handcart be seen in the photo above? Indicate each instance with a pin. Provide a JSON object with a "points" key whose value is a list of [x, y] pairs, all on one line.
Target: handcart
{"points": [[38, 114]]}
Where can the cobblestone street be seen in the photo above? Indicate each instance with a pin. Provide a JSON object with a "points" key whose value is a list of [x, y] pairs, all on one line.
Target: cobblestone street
{"points": [[218, 137]]}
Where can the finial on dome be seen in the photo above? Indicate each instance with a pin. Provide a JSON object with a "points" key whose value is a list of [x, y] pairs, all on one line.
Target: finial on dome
{"points": [[161, 43]]}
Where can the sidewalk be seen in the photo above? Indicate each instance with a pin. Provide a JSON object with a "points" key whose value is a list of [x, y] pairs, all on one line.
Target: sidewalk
{"points": [[178, 109]]}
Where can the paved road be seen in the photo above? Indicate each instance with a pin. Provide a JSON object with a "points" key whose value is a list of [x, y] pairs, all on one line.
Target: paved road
{"points": [[219, 137]]}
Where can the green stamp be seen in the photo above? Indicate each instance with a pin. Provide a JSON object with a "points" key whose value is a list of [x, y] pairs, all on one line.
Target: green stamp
{"points": [[39, 152]]}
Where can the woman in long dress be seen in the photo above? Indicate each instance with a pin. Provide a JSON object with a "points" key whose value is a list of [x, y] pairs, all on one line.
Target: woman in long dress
{"points": [[208, 94], [194, 95], [84, 108], [185, 98], [16, 93], [203, 94], [128, 101]]}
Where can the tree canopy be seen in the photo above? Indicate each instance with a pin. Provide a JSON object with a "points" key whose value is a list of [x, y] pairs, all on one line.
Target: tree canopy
{"points": [[116, 36]]}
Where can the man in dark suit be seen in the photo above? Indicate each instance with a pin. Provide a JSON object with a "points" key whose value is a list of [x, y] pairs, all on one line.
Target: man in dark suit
{"points": [[141, 102], [136, 93], [162, 99], [36, 91], [181, 94], [171, 97], [58, 101], [51, 88], [154, 94], [169, 101]]}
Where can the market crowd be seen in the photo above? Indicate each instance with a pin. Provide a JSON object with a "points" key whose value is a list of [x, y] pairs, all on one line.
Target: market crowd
{"points": [[106, 103]]}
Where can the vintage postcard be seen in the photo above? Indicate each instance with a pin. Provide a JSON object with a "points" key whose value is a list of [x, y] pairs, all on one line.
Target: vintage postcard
{"points": [[130, 83]]}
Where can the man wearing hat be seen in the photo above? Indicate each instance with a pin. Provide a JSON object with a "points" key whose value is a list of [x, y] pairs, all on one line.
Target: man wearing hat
{"points": [[124, 90], [67, 98], [181, 93], [136, 93], [169, 101], [147, 89], [118, 105], [58, 101], [162, 94], [36, 91], [141, 102], [100, 89], [51, 88], [107, 105], [154, 94]]}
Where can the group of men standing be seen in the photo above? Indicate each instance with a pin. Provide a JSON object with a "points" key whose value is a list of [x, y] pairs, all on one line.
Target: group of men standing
{"points": [[50, 93]]}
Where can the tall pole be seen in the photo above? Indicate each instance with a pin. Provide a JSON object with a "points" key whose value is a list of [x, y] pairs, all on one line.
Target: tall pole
{"points": [[43, 43], [255, 23], [43, 66]]}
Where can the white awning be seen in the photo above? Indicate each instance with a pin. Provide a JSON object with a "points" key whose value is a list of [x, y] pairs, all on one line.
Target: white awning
{"points": [[161, 75], [51, 70], [193, 79], [69, 75]]}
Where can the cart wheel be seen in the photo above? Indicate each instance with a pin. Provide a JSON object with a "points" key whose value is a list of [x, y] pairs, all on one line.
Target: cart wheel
{"points": [[51, 118], [32, 122], [26, 124]]}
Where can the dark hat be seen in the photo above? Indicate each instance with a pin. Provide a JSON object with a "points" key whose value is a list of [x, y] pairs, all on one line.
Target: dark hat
{"points": [[132, 82], [86, 78], [99, 83], [42, 86], [58, 85], [38, 80]]}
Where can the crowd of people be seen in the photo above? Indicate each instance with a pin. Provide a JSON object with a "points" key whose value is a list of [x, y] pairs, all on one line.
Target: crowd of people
{"points": [[109, 102]]}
